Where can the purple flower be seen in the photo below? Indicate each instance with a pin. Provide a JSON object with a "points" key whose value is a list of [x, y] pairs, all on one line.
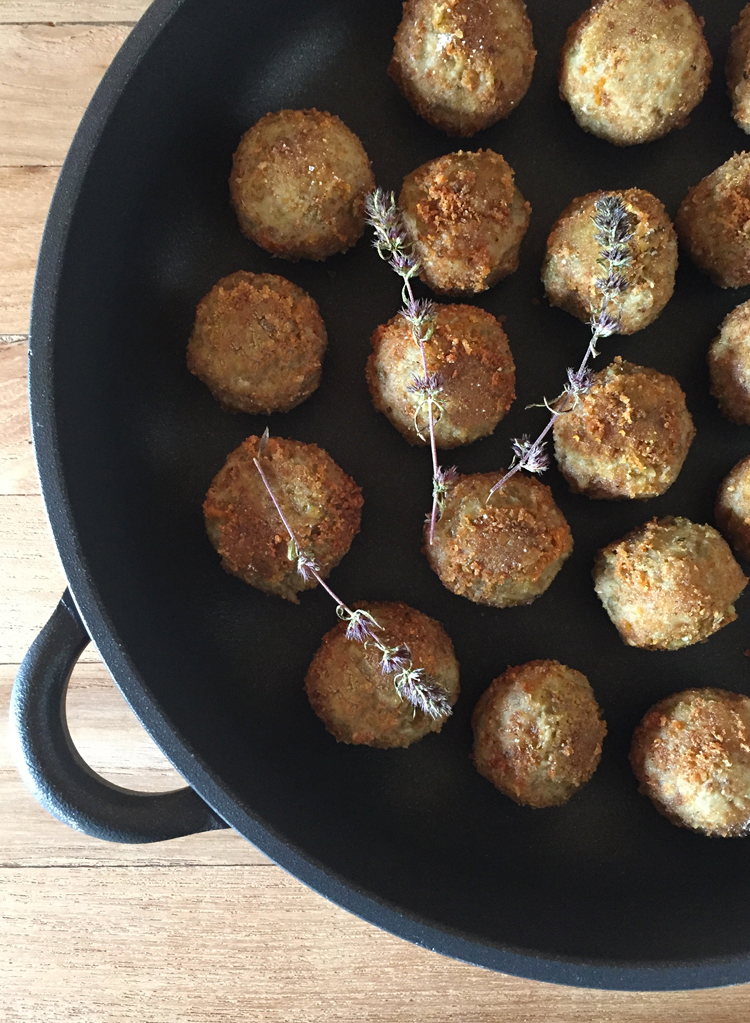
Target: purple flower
{"points": [[395, 659], [530, 455], [431, 384], [360, 626], [423, 693], [307, 567], [580, 380]]}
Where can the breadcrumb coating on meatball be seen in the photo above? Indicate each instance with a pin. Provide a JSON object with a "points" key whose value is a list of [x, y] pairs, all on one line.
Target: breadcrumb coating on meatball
{"points": [[627, 437], [668, 584], [729, 365], [463, 64], [465, 220], [322, 505], [732, 510], [632, 70], [298, 184], [738, 70], [502, 551], [257, 343], [691, 756], [571, 265], [469, 349], [538, 733], [358, 703], [713, 223]]}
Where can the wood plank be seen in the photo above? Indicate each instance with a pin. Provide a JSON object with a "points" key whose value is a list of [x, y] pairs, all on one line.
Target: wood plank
{"points": [[70, 11], [260, 947], [25, 195], [112, 741], [49, 74], [17, 468]]}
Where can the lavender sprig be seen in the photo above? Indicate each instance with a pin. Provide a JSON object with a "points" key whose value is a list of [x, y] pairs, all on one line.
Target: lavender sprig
{"points": [[614, 234], [412, 684], [393, 245]]}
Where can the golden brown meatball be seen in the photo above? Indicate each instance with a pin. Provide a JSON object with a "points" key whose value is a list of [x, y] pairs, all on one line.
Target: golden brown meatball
{"points": [[504, 550], [691, 756], [257, 343], [733, 507], [469, 349], [738, 70], [713, 223], [668, 584], [298, 184], [729, 365], [538, 733], [571, 266], [357, 702], [465, 219], [463, 64], [632, 70], [627, 437], [321, 503]]}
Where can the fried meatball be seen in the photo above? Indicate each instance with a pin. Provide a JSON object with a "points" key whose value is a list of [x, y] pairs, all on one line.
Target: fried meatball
{"points": [[538, 733], [733, 507], [463, 64], [713, 223], [738, 70], [691, 756], [571, 268], [729, 365], [298, 184], [469, 350], [632, 70], [465, 219], [321, 503], [357, 702], [257, 343], [504, 550], [668, 584], [627, 437]]}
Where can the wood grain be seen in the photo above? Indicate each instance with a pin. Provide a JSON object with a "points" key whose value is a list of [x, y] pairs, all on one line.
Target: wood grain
{"points": [[25, 195], [49, 74], [204, 929], [70, 11]]}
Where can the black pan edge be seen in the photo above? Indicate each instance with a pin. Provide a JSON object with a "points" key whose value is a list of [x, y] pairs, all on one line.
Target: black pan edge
{"points": [[522, 963]]}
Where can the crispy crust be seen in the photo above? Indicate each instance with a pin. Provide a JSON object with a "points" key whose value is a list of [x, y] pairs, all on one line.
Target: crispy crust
{"points": [[504, 551], [571, 266], [732, 510], [463, 64], [257, 343], [358, 703], [298, 184], [691, 756], [538, 733], [466, 219], [610, 76], [729, 365], [668, 584], [322, 504], [628, 437], [469, 349], [713, 223], [738, 70]]}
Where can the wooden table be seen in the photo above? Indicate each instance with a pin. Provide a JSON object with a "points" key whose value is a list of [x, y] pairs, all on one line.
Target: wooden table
{"points": [[204, 928]]}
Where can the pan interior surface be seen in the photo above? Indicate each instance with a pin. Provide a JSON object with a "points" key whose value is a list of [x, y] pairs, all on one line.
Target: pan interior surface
{"points": [[600, 884]]}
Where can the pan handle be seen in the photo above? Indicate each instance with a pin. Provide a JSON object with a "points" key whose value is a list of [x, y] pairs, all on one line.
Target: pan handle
{"points": [[55, 771]]}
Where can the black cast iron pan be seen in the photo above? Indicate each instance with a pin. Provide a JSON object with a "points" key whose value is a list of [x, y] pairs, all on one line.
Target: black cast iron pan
{"points": [[601, 892]]}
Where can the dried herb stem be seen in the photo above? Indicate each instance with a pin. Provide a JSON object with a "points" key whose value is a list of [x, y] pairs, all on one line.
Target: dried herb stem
{"points": [[412, 684]]}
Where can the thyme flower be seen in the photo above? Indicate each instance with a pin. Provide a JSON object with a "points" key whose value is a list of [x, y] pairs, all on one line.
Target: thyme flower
{"points": [[614, 235], [393, 245], [412, 684]]}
